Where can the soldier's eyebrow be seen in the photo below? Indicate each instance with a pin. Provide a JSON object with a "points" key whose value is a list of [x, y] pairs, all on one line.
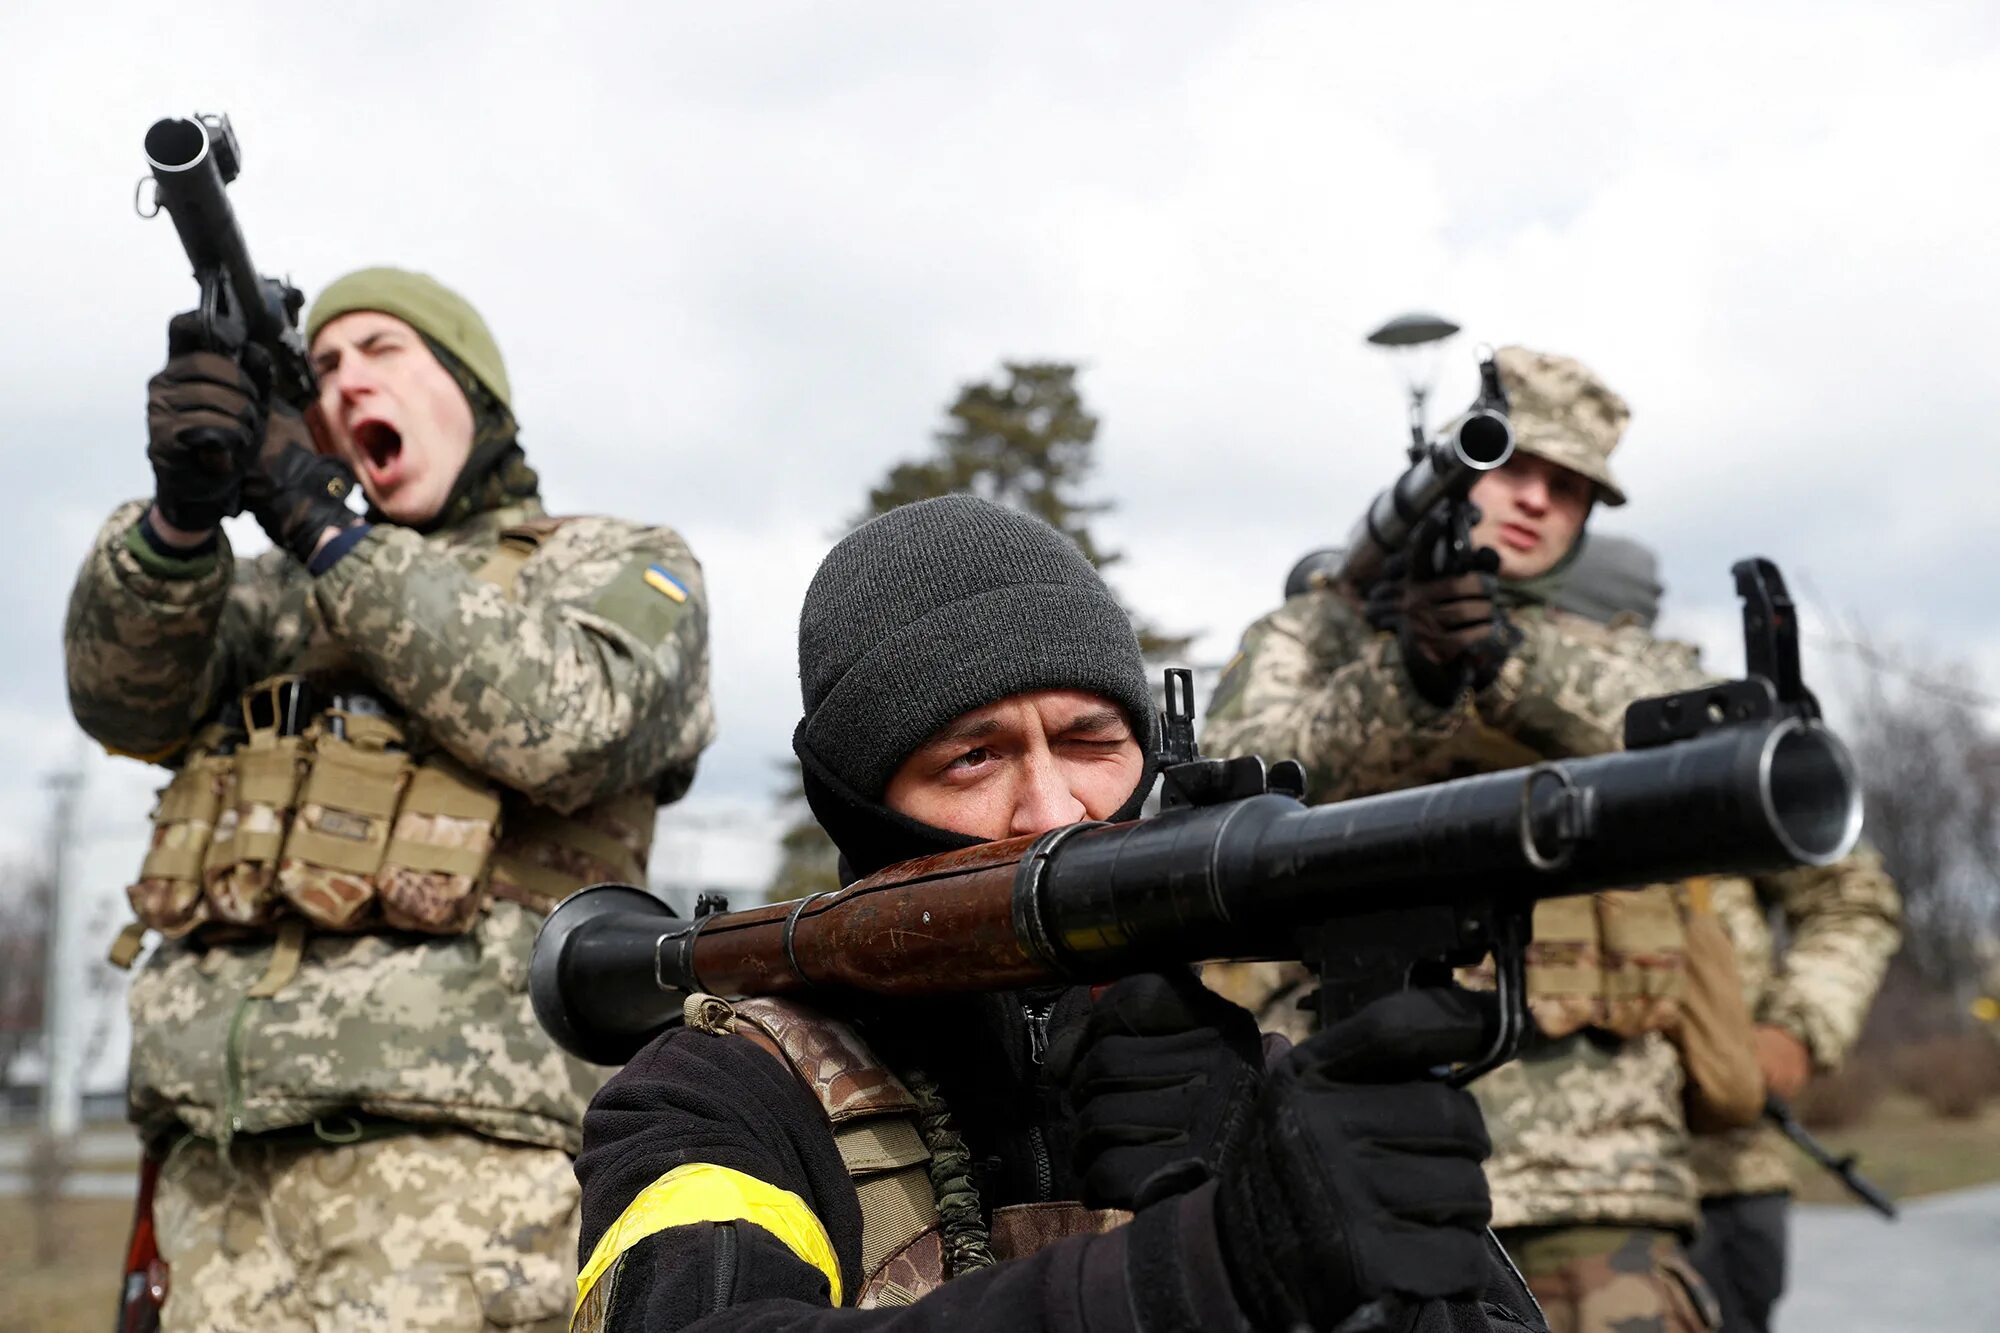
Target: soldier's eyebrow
{"points": [[965, 729], [330, 358], [1094, 722]]}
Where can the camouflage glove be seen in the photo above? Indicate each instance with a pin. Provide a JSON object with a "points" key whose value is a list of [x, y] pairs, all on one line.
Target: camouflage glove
{"points": [[1162, 1076], [1360, 1179], [204, 415], [295, 492]]}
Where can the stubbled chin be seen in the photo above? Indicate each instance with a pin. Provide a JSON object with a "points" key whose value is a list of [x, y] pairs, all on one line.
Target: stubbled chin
{"points": [[407, 505]]}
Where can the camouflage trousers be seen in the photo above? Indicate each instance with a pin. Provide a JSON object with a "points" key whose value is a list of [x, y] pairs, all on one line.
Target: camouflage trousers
{"points": [[433, 1231], [1611, 1280]]}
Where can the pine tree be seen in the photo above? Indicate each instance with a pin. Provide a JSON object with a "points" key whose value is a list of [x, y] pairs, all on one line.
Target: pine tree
{"points": [[1024, 441]]}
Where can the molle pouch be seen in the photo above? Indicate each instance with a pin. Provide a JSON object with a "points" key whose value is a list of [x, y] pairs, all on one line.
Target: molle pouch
{"points": [[1645, 960], [240, 872], [358, 773], [434, 876], [1715, 1035], [1565, 967], [167, 895]]}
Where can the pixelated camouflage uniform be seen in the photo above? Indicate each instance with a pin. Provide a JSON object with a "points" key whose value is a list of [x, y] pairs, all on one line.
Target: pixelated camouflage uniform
{"points": [[581, 690], [1586, 1129], [1842, 922]]}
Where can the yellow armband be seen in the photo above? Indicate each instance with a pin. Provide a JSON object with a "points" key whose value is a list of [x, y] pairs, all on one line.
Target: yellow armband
{"points": [[701, 1192]]}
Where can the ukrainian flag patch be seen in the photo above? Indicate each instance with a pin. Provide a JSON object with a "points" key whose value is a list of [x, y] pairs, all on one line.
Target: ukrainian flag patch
{"points": [[664, 583]]}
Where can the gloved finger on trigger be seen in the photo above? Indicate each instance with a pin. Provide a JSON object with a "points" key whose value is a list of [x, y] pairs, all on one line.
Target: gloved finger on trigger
{"points": [[1121, 1056], [1434, 1263], [1400, 1036], [1436, 1192], [1158, 1003], [1098, 1142], [187, 332], [1171, 1107], [1416, 1119]]}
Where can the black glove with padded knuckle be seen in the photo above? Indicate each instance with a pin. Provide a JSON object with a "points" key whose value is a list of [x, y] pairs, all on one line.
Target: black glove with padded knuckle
{"points": [[1162, 1076], [1360, 1178], [1453, 630], [296, 492], [204, 417]]}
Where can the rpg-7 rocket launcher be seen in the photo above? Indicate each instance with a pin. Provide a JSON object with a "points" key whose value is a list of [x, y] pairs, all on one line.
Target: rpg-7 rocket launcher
{"points": [[1374, 894], [192, 160], [1426, 512]]}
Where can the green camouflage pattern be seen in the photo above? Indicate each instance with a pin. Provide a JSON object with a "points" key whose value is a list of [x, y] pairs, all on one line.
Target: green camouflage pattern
{"points": [[1842, 922], [431, 1030], [1613, 1280], [1313, 682], [429, 1233], [1588, 1130], [585, 693]]}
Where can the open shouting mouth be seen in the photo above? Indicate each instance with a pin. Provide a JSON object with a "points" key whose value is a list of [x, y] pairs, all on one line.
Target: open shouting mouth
{"points": [[381, 448]]}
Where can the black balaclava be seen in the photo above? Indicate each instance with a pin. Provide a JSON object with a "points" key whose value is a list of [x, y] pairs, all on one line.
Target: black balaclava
{"points": [[496, 472], [924, 614]]}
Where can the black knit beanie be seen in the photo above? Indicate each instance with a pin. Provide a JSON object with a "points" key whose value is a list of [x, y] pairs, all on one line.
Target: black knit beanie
{"points": [[927, 613]]}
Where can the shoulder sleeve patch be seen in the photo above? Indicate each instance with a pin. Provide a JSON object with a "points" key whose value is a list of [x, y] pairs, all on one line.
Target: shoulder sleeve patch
{"points": [[649, 597]]}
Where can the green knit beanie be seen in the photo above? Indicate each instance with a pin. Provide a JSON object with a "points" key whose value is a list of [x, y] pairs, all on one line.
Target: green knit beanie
{"points": [[426, 305]]}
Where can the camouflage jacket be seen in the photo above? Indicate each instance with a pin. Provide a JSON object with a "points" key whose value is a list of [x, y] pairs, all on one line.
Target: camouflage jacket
{"points": [[1587, 1130], [580, 690], [1313, 682], [1841, 924]]}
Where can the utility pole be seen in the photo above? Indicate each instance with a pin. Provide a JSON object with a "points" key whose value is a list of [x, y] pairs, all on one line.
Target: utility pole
{"points": [[62, 1099]]}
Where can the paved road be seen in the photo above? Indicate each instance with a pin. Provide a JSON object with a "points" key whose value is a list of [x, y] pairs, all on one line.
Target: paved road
{"points": [[107, 1164], [1935, 1270]]}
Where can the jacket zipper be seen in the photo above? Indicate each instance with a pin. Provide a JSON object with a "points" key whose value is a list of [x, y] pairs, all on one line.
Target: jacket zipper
{"points": [[724, 1293], [1038, 1049], [1038, 1029]]}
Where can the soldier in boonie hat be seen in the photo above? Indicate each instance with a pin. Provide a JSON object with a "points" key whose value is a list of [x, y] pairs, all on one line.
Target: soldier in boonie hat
{"points": [[1564, 414]]}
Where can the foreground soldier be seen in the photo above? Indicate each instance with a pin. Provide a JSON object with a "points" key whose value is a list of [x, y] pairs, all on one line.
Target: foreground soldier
{"points": [[968, 677], [399, 741], [1593, 1192]]}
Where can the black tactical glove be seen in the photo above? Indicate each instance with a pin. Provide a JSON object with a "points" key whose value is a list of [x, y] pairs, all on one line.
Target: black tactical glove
{"points": [[295, 492], [1452, 628], [204, 416], [1162, 1076], [1360, 1177]]}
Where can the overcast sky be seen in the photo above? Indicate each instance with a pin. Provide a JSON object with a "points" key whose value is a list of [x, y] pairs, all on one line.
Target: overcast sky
{"points": [[740, 257]]}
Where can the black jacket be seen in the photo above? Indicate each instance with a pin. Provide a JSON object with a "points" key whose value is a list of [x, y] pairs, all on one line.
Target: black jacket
{"points": [[691, 1097]]}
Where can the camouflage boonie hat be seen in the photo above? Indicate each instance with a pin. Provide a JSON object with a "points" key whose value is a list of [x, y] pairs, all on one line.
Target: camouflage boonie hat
{"points": [[1563, 413]]}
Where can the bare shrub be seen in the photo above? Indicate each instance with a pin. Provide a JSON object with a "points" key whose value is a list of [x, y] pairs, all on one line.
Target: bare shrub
{"points": [[1954, 1074], [1845, 1097]]}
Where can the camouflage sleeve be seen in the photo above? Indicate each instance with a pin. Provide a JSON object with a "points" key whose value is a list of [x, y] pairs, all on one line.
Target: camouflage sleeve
{"points": [[1564, 690], [150, 645], [1845, 920], [590, 680], [1313, 682]]}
